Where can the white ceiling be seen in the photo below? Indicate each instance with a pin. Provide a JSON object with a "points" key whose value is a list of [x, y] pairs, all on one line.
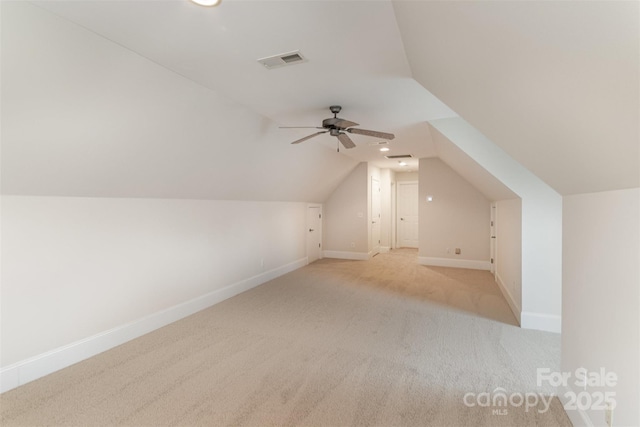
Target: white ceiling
{"points": [[162, 98], [555, 84], [354, 50]]}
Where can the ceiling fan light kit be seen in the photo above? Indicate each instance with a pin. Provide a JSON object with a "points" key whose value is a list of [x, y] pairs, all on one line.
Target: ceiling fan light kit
{"points": [[207, 3], [337, 127]]}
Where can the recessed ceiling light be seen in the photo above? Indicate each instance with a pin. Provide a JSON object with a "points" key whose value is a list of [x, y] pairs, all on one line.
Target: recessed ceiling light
{"points": [[384, 149], [402, 163], [207, 2]]}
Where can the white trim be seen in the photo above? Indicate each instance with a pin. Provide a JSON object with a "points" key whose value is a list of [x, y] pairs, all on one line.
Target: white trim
{"points": [[36, 367], [578, 417], [541, 322], [507, 295], [358, 256], [384, 249], [456, 263]]}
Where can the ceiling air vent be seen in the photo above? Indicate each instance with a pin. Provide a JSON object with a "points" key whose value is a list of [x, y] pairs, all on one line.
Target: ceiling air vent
{"points": [[400, 156], [283, 59]]}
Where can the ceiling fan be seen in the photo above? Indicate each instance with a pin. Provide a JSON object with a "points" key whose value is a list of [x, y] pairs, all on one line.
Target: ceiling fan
{"points": [[337, 127]]}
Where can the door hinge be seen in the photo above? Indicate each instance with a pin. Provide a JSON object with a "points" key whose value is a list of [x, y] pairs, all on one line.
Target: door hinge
{"points": [[320, 216], [319, 246], [492, 223], [491, 260]]}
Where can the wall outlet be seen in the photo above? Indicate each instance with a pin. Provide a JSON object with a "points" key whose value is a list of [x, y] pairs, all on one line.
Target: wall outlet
{"points": [[608, 415], [353, 244], [458, 251]]}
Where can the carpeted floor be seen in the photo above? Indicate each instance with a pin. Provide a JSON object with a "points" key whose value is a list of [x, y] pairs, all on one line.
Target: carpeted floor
{"points": [[383, 342]]}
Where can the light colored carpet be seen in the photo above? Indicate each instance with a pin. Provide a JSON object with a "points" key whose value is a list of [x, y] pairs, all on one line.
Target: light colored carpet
{"points": [[383, 342]]}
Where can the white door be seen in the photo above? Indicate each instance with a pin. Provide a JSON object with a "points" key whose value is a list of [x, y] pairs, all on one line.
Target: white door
{"points": [[393, 216], [407, 214], [375, 216], [314, 218], [493, 243]]}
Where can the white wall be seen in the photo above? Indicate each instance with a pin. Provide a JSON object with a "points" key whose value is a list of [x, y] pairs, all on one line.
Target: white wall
{"points": [[508, 260], [407, 176], [83, 116], [601, 294], [469, 169], [541, 224], [77, 267], [458, 217], [346, 213]]}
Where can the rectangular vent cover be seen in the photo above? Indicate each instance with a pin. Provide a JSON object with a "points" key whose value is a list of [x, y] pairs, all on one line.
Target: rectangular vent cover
{"points": [[276, 61], [400, 156]]}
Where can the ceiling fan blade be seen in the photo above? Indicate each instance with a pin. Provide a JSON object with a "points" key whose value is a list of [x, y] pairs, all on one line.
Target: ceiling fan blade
{"points": [[377, 134], [307, 137], [346, 141], [299, 127], [343, 124]]}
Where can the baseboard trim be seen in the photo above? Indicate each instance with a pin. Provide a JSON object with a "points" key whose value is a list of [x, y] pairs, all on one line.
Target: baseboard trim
{"points": [[36, 367], [507, 295], [455, 263], [578, 417], [541, 322], [356, 256], [385, 249]]}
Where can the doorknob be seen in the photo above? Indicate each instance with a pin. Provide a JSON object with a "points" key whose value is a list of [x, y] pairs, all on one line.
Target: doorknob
{"points": [[310, 230], [401, 219]]}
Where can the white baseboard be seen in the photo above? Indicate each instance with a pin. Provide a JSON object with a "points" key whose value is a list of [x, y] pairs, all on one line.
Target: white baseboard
{"points": [[456, 263], [578, 417], [510, 300], [384, 249], [358, 256], [36, 367], [541, 322]]}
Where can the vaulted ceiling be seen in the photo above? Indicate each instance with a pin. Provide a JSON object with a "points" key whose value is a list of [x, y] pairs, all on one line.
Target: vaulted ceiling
{"points": [[167, 99]]}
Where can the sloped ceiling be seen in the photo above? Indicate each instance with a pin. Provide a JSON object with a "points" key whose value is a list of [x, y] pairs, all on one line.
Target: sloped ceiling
{"points": [[83, 117], [555, 84], [166, 99], [466, 167], [354, 50]]}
